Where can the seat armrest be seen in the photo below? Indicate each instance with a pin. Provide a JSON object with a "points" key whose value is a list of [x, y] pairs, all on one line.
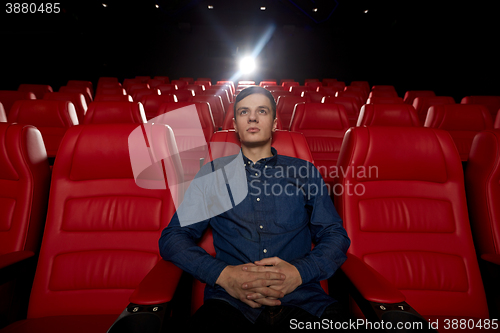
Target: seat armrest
{"points": [[158, 286], [491, 257], [370, 284], [12, 258]]}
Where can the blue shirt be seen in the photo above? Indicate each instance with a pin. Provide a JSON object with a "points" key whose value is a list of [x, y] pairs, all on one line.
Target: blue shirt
{"points": [[287, 208]]}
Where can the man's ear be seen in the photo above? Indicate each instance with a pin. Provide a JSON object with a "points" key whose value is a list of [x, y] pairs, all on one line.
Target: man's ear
{"points": [[234, 126], [275, 124]]}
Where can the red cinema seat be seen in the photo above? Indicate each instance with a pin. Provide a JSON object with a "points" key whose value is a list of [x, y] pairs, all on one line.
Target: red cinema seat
{"points": [[181, 84], [363, 84], [286, 143], [38, 89], [24, 194], [422, 104], [287, 85], [497, 121], [127, 83], [137, 95], [111, 91], [9, 97], [85, 91], [154, 83], [3, 115], [315, 97], [230, 83], [206, 83], [285, 105], [482, 181], [197, 89], [264, 83], [337, 85], [167, 88], [115, 113], [189, 80], [152, 103], [388, 115], [324, 126], [359, 90], [77, 99], [216, 107], [52, 118], [382, 87], [223, 95], [382, 93], [351, 106], [143, 78], [136, 86], [405, 211], [183, 95], [314, 85], [101, 235], [298, 90], [491, 102], [385, 100], [410, 95], [463, 122], [81, 83], [204, 115], [326, 81], [354, 94], [113, 98]]}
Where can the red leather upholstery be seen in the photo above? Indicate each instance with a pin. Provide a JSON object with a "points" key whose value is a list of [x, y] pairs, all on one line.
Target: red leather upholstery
{"points": [[491, 102], [131, 88], [298, 90], [410, 95], [324, 126], [138, 94], [358, 89], [286, 143], [482, 181], [81, 83], [183, 95], [284, 108], [101, 233], [115, 113], [38, 89], [382, 93], [351, 106], [216, 107], [110, 91], [223, 95], [167, 88], [358, 96], [497, 121], [388, 115], [463, 122], [363, 84], [404, 209], [422, 104], [85, 91], [3, 115], [52, 118], [8, 97], [204, 114], [24, 193], [181, 84], [77, 99], [152, 103], [24, 188], [385, 100], [113, 98], [288, 85]]}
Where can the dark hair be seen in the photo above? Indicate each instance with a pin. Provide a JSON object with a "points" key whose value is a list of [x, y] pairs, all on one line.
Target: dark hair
{"points": [[255, 90]]}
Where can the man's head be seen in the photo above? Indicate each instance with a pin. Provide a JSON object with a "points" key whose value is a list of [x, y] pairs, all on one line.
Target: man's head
{"points": [[255, 116]]}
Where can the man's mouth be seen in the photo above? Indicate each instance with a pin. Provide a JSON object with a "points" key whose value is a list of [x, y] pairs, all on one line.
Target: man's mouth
{"points": [[253, 129]]}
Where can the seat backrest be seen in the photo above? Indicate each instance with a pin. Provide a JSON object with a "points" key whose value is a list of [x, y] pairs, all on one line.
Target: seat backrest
{"points": [[216, 107], [8, 98], [463, 122], [384, 100], [402, 199], [38, 89], [496, 124], [482, 182], [422, 104], [285, 105], [351, 106], [410, 95], [110, 91], [81, 83], [85, 91], [3, 115], [102, 229], [382, 93], [491, 102], [183, 95], [113, 98], [324, 126], [138, 94], [388, 115], [115, 113], [77, 99], [152, 103], [354, 94], [24, 187], [204, 115], [52, 118]]}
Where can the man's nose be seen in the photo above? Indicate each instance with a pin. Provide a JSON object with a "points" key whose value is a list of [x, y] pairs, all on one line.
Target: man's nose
{"points": [[253, 117]]}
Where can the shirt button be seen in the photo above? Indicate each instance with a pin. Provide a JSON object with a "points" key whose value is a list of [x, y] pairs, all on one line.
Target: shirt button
{"points": [[258, 199], [261, 226], [256, 174], [265, 251]]}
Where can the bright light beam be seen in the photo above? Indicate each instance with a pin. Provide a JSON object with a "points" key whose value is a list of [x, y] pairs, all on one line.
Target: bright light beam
{"points": [[247, 65]]}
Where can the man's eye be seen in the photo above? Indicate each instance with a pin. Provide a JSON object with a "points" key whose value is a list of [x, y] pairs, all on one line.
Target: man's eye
{"points": [[263, 111], [243, 112]]}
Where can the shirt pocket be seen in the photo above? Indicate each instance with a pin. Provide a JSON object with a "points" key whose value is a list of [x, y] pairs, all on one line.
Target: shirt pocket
{"points": [[291, 212]]}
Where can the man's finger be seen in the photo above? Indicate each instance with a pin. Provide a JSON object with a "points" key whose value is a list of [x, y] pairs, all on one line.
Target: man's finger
{"points": [[268, 261]]}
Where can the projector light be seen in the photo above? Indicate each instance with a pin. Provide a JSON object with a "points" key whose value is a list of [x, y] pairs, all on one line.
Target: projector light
{"points": [[247, 65]]}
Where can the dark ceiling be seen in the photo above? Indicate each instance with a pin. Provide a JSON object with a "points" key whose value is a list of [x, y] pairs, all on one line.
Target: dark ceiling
{"points": [[449, 46]]}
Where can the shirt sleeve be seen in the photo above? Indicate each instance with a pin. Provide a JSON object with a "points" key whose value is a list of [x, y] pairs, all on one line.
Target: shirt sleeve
{"points": [[327, 232], [178, 242]]}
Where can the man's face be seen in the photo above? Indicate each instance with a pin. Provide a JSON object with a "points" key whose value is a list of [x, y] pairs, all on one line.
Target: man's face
{"points": [[254, 121]]}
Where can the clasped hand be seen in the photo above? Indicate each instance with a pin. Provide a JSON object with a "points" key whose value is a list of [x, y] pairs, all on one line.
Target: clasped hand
{"points": [[263, 282]]}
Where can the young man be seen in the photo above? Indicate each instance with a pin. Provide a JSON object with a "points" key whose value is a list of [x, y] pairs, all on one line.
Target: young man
{"points": [[265, 274]]}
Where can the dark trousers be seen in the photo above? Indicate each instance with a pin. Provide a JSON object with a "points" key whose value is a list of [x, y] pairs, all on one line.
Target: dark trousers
{"points": [[221, 316]]}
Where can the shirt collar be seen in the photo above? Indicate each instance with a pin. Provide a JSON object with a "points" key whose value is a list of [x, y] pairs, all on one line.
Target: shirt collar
{"points": [[271, 161]]}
